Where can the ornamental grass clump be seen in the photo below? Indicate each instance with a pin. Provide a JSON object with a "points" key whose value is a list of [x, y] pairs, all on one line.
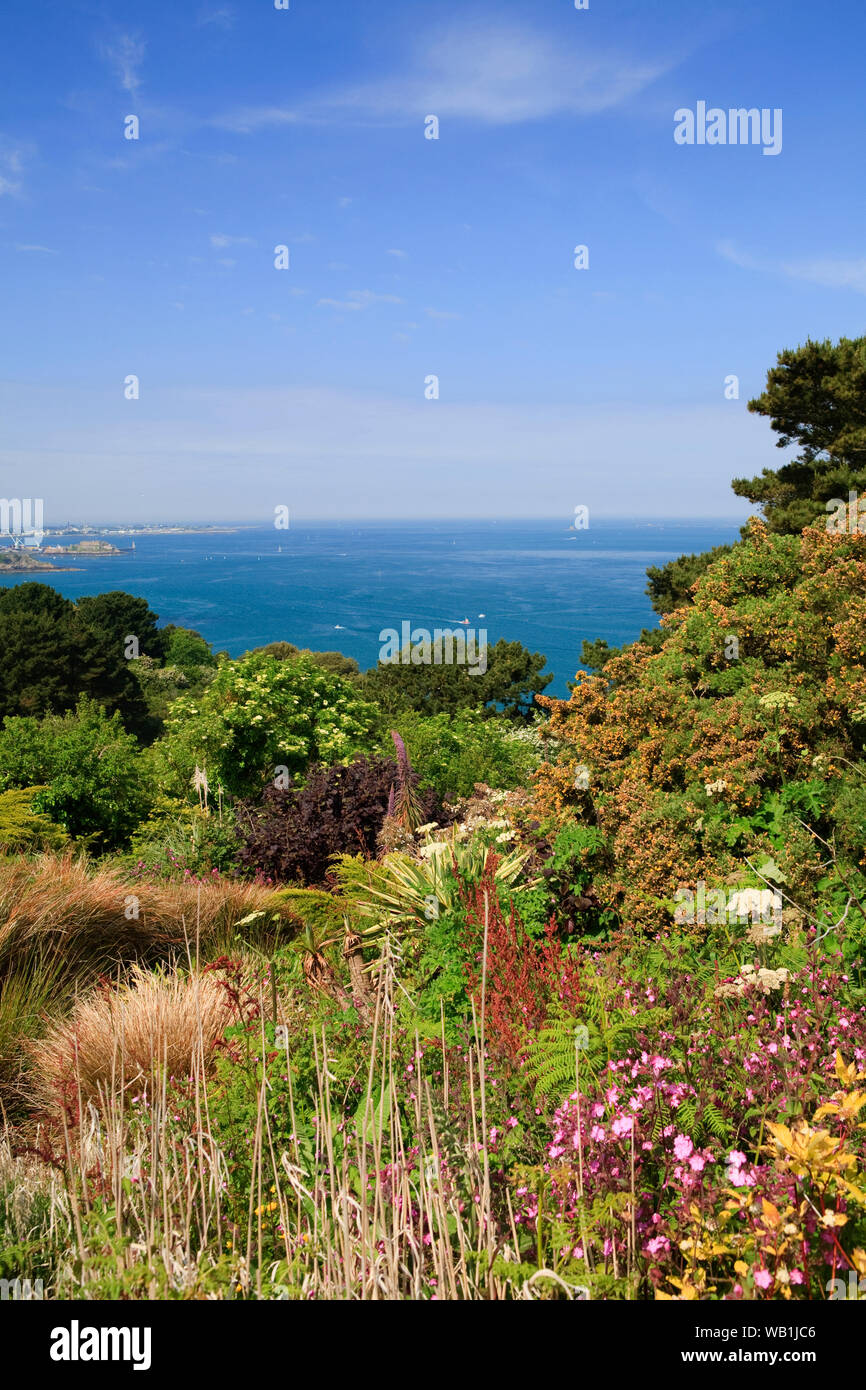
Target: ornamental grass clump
{"points": [[128, 1040], [90, 919]]}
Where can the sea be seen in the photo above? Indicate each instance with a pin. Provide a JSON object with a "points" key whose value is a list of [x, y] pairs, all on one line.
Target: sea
{"points": [[337, 587]]}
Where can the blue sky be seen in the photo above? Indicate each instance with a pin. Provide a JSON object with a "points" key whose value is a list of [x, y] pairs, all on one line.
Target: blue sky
{"points": [[412, 257]]}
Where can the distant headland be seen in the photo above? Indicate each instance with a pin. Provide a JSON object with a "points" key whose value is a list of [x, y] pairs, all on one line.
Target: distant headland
{"points": [[25, 561]]}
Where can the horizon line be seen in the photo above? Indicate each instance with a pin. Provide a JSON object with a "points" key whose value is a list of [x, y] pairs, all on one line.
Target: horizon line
{"points": [[248, 524]]}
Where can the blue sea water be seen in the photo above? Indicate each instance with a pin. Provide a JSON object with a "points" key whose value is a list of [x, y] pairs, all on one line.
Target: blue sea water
{"points": [[335, 587]]}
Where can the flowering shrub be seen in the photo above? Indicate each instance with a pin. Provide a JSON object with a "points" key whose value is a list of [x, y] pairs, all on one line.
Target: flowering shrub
{"points": [[257, 715], [739, 735]]}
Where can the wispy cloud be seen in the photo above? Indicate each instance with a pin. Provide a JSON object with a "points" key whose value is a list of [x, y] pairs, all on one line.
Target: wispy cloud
{"points": [[730, 252], [834, 272], [395, 252], [441, 314], [479, 70], [12, 158], [125, 55], [49, 250], [223, 18], [219, 240], [358, 299], [247, 119], [501, 74]]}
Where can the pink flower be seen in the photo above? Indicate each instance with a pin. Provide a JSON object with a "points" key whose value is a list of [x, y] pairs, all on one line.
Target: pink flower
{"points": [[683, 1146], [696, 1163], [763, 1278], [658, 1245]]}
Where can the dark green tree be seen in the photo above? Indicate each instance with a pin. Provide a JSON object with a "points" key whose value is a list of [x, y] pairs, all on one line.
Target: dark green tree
{"points": [[510, 683], [815, 398], [51, 658], [120, 616]]}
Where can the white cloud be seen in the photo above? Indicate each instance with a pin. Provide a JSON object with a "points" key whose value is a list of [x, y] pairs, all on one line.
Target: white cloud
{"points": [[125, 55], [500, 74], [395, 252], [249, 118], [223, 18], [831, 271], [12, 158], [218, 240], [729, 252], [835, 274], [479, 70], [342, 304], [359, 299], [441, 314], [49, 250]]}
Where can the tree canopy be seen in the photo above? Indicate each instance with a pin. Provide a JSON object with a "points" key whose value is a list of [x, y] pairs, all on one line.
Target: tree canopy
{"points": [[510, 683], [52, 656], [815, 398]]}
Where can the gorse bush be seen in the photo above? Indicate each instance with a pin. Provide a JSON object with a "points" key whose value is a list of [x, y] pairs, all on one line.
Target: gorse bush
{"points": [[734, 740]]}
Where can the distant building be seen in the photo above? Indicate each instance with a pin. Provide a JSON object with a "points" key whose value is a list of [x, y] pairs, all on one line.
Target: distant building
{"points": [[82, 548]]}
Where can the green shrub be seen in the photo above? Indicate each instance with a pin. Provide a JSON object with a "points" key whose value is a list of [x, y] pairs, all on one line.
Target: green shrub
{"points": [[258, 715], [453, 752], [24, 828], [89, 766]]}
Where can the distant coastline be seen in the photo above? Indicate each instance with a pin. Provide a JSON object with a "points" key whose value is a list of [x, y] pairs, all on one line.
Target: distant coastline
{"points": [[166, 529], [21, 562]]}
